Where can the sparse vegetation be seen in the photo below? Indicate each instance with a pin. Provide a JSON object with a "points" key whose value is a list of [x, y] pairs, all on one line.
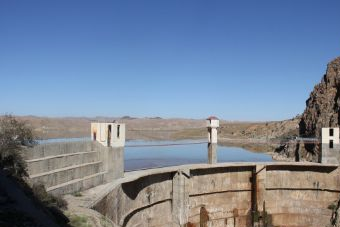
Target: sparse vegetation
{"points": [[332, 206], [77, 194], [256, 216], [14, 136], [79, 221]]}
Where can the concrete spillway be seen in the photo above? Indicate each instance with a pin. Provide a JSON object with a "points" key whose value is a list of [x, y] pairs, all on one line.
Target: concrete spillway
{"points": [[245, 194]]}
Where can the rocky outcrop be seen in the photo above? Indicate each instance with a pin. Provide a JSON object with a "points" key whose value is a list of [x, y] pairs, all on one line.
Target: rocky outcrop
{"points": [[322, 110], [294, 151], [322, 107]]}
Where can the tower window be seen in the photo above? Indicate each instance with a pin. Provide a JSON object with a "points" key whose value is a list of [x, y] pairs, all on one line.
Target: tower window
{"points": [[331, 144], [118, 131], [331, 132]]}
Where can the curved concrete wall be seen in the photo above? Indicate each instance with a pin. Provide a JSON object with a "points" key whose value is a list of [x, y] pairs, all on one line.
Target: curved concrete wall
{"points": [[280, 194]]}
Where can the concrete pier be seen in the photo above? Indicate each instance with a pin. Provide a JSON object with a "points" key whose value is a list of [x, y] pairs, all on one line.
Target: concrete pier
{"points": [[212, 125], [180, 197], [212, 153]]}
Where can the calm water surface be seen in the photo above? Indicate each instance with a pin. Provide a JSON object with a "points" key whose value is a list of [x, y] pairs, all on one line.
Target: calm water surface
{"points": [[140, 154], [160, 156]]}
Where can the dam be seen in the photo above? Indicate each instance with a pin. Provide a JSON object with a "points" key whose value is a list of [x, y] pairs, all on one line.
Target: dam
{"points": [[213, 194], [238, 194]]}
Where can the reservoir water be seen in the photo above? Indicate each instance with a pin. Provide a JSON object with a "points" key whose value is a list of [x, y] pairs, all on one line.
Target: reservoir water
{"points": [[149, 156], [141, 154]]}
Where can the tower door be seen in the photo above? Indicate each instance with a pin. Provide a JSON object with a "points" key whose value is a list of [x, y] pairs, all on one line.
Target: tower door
{"points": [[109, 136]]}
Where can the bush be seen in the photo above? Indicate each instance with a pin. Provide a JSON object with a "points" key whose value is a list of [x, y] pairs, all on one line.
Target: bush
{"points": [[14, 136]]}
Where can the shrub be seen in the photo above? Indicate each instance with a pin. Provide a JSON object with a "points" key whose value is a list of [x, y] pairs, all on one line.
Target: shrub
{"points": [[14, 136]]}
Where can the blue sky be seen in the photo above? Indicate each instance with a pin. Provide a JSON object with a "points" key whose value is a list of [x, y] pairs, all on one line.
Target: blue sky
{"points": [[239, 60]]}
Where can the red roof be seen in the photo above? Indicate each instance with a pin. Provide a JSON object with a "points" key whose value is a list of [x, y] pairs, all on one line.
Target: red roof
{"points": [[212, 118]]}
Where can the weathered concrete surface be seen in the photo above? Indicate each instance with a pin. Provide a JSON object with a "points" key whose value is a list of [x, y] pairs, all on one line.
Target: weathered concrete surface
{"points": [[53, 149], [180, 197], [112, 159], [212, 153], [46, 164], [108, 134], [74, 166], [231, 194], [67, 174]]}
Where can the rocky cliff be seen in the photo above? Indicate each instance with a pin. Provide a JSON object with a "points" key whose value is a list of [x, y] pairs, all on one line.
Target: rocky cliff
{"points": [[322, 107], [322, 110]]}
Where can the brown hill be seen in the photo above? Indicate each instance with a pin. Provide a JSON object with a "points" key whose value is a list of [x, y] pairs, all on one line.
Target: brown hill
{"points": [[251, 135], [137, 128]]}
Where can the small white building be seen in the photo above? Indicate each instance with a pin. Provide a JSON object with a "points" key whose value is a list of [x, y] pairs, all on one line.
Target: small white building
{"points": [[330, 136], [212, 124], [108, 134], [330, 152]]}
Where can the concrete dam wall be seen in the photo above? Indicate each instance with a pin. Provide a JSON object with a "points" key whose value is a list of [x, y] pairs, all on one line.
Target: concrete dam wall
{"points": [[73, 166], [242, 195], [229, 194]]}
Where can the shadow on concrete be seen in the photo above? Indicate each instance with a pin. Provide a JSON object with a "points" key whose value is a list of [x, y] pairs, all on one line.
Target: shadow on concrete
{"points": [[302, 168], [228, 169], [130, 215], [132, 189]]}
